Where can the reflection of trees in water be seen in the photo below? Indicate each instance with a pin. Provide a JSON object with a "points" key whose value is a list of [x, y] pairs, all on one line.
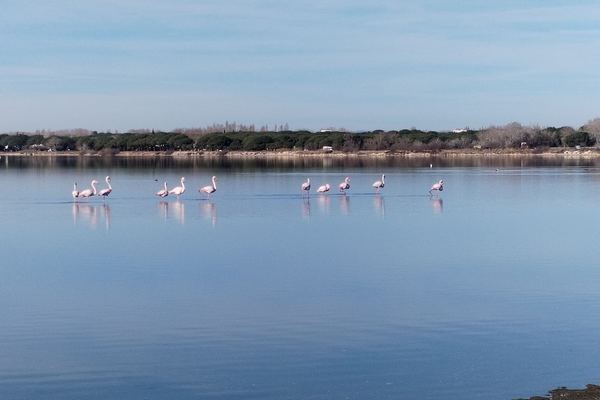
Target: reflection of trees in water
{"points": [[91, 214], [295, 162]]}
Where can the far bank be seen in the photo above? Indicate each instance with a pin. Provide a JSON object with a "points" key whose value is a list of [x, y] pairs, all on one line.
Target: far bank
{"points": [[591, 152]]}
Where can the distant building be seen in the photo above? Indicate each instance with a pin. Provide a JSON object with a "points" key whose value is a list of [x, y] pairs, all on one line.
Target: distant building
{"points": [[327, 149], [325, 130], [462, 130]]}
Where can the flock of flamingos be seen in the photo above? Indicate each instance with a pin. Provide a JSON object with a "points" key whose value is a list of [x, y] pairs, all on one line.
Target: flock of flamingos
{"points": [[209, 189]]}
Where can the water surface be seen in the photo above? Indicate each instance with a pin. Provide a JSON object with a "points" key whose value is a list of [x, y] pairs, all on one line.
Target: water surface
{"points": [[489, 290]]}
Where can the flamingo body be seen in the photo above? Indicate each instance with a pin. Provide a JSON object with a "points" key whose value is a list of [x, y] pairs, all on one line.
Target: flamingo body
{"points": [[210, 188], [178, 190], [105, 192], [439, 186], [379, 184], [163, 192], [306, 185], [345, 185], [89, 192], [324, 188]]}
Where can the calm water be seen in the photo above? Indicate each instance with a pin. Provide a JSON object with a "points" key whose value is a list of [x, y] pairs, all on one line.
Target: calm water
{"points": [[490, 290]]}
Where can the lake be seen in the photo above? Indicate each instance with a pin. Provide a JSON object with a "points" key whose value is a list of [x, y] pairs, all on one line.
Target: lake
{"points": [[489, 290]]}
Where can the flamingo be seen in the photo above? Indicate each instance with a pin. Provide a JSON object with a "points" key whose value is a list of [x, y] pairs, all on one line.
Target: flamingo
{"points": [[89, 192], [324, 188], [163, 192], [75, 192], [306, 186], [345, 185], [378, 185], [210, 188], [178, 190], [437, 186], [105, 192]]}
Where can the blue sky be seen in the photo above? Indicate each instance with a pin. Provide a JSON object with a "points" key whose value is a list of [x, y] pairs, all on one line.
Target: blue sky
{"points": [[435, 64]]}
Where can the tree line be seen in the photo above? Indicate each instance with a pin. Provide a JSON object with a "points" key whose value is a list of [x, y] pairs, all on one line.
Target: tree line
{"points": [[509, 136]]}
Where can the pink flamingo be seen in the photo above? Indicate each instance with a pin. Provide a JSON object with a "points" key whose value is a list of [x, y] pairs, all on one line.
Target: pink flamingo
{"points": [[89, 192], [378, 185], [324, 188], [75, 192], [306, 186], [163, 192], [210, 188], [178, 190], [105, 192], [437, 186], [345, 185]]}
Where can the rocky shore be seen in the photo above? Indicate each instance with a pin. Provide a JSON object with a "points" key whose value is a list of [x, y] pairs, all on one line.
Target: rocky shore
{"points": [[591, 392]]}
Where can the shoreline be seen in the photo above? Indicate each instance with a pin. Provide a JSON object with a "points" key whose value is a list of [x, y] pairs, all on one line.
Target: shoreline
{"points": [[558, 152], [590, 392]]}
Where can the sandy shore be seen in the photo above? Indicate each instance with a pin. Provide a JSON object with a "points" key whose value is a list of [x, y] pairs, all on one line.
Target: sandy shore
{"points": [[557, 152]]}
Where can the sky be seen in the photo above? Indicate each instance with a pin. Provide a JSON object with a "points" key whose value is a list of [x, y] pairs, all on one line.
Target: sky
{"points": [[353, 64]]}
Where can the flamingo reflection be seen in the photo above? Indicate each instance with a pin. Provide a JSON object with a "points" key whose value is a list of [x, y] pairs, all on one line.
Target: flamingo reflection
{"points": [[438, 205], [379, 204], [91, 214], [345, 205], [306, 207], [209, 211], [163, 207], [176, 208], [324, 202], [178, 211]]}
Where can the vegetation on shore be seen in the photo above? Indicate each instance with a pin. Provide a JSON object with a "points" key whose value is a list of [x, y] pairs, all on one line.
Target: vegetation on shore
{"points": [[511, 136], [591, 392]]}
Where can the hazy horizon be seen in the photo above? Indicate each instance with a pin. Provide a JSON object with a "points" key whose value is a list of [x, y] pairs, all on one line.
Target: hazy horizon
{"points": [[132, 64]]}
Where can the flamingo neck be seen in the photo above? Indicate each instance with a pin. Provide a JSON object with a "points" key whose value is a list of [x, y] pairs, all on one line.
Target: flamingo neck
{"points": [[182, 185], [108, 183], [94, 187], [165, 186], [214, 183]]}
